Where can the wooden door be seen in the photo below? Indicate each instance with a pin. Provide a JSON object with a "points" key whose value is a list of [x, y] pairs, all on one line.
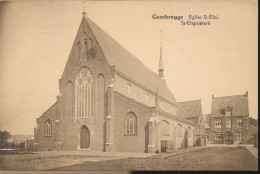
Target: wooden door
{"points": [[164, 144], [84, 137], [229, 137]]}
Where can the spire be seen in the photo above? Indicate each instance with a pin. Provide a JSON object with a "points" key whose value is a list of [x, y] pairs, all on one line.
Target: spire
{"points": [[161, 67], [84, 13]]}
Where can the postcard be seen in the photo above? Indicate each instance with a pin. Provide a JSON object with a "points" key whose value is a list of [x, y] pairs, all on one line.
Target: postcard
{"points": [[129, 85]]}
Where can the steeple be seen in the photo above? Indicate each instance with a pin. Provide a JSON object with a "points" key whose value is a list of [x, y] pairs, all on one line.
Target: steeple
{"points": [[84, 13], [161, 67]]}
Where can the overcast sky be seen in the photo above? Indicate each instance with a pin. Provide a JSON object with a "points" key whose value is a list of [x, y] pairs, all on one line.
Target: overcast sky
{"points": [[200, 61]]}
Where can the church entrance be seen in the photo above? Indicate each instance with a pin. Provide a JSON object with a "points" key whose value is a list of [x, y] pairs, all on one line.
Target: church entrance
{"points": [[229, 137], [84, 137]]}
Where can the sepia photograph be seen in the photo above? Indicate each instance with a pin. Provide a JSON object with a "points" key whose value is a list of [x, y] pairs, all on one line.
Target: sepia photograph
{"points": [[128, 85]]}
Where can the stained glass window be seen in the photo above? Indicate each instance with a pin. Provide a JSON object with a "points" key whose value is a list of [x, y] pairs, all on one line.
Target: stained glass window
{"points": [[130, 124], [48, 128], [83, 96]]}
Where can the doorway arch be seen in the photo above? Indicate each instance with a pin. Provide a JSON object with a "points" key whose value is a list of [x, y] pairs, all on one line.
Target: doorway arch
{"points": [[84, 137], [229, 137]]}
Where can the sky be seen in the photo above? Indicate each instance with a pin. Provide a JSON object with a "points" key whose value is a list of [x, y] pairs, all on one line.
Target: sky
{"points": [[36, 38]]}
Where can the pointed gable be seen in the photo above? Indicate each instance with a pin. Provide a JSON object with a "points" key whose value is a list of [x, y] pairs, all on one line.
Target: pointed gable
{"points": [[128, 64]]}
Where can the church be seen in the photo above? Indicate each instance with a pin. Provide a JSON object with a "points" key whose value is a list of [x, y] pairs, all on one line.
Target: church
{"points": [[110, 101]]}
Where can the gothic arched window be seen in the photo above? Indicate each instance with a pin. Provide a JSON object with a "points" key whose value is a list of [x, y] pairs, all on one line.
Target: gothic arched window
{"points": [[83, 94], [164, 128], [84, 43], [89, 44], [130, 124], [48, 128]]}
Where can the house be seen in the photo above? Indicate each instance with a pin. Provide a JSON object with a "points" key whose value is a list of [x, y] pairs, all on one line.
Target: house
{"points": [[229, 119]]}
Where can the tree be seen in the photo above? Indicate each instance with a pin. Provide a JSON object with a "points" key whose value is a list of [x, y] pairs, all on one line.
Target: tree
{"points": [[253, 121], [4, 137]]}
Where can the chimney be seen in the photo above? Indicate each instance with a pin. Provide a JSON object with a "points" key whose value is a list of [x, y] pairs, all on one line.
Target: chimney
{"points": [[246, 95]]}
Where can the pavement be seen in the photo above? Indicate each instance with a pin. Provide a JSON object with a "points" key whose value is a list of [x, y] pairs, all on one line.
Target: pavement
{"points": [[98, 154], [211, 157], [178, 152], [250, 147], [205, 159], [122, 155], [253, 150]]}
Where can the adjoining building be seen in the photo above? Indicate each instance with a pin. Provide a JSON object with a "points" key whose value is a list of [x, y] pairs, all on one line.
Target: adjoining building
{"points": [[229, 119], [110, 101], [192, 111]]}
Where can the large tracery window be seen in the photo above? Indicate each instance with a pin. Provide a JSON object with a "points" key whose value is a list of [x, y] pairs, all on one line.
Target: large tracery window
{"points": [[83, 90], [130, 124], [48, 128]]}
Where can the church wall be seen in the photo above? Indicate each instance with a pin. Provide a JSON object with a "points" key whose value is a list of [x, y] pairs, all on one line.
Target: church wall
{"points": [[102, 77], [130, 143], [68, 126], [46, 142], [139, 94]]}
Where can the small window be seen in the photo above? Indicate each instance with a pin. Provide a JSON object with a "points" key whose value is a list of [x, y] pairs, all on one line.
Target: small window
{"points": [[239, 137], [218, 137], [218, 123], [228, 113], [128, 89], [239, 123], [84, 41], [228, 124], [130, 124], [48, 128], [146, 98], [89, 44]]}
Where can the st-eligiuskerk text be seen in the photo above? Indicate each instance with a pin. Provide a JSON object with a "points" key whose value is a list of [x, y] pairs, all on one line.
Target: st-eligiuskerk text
{"points": [[193, 20]]}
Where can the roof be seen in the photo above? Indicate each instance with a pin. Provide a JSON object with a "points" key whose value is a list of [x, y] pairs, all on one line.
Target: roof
{"points": [[237, 103], [189, 109], [128, 64]]}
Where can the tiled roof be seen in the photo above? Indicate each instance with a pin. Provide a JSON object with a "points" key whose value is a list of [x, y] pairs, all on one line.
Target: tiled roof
{"points": [[128, 64], [189, 109], [237, 103]]}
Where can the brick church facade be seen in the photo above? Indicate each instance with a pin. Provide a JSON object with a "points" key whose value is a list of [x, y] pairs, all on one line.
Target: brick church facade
{"points": [[110, 101]]}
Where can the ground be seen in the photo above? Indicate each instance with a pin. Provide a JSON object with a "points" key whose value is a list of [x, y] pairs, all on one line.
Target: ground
{"points": [[210, 158]]}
